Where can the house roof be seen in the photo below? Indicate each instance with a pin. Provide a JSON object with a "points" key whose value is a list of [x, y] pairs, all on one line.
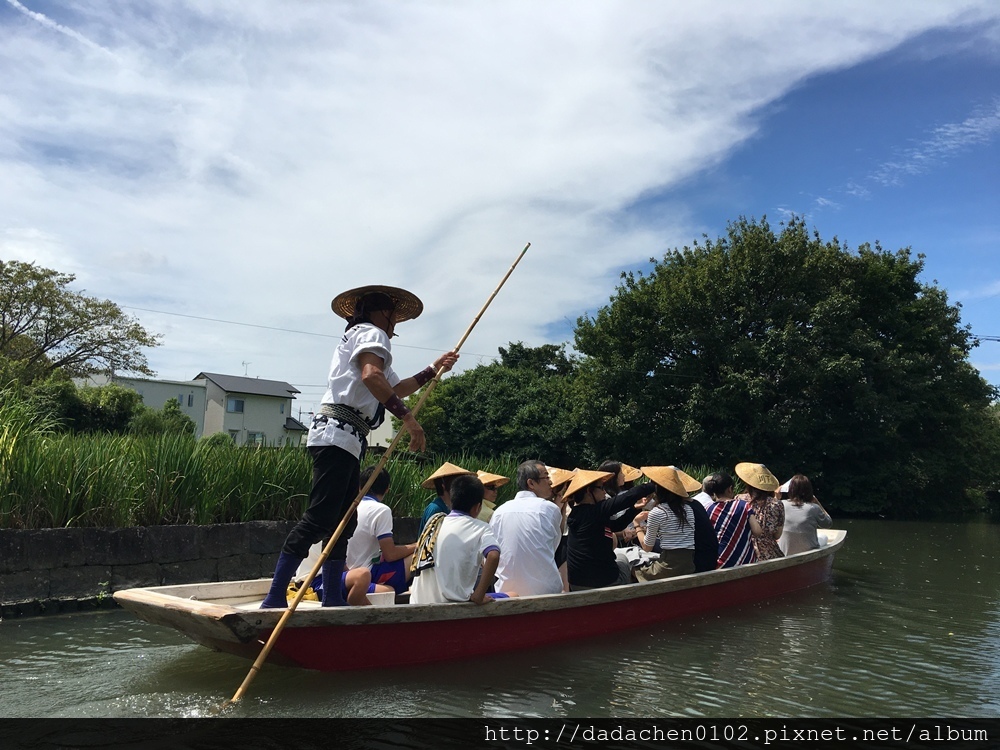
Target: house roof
{"points": [[291, 423], [250, 386]]}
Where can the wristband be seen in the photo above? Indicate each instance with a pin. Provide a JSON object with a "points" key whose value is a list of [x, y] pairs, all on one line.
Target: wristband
{"points": [[395, 405], [424, 376]]}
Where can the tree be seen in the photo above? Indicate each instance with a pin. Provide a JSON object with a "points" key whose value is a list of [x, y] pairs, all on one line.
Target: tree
{"points": [[795, 352], [45, 326], [169, 420], [523, 404]]}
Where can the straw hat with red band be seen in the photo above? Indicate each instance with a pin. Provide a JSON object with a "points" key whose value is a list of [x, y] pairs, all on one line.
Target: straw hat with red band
{"points": [[492, 480], [405, 305], [445, 470], [758, 476], [584, 478], [673, 479]]}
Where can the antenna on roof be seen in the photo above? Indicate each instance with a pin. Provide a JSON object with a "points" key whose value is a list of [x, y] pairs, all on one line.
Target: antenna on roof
{"points": [[245, 363]]}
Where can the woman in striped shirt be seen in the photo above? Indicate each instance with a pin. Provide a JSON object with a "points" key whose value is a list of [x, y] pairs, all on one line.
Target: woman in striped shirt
{"points": [[734, 522], [669, 526]]}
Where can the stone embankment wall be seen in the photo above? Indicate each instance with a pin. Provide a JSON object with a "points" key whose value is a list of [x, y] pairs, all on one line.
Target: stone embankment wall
{"points": [[46, 571]]}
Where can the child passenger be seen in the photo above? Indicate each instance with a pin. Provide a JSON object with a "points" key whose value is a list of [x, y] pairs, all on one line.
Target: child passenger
{"points": [[465, 552]]}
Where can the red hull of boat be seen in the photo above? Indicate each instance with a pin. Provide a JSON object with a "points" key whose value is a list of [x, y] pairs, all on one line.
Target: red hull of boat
{"points": [[349, 647]]}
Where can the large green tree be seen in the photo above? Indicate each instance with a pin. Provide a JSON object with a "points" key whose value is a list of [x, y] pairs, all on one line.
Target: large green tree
{"points": [[797, 352], [45, 326], [524, 404]]}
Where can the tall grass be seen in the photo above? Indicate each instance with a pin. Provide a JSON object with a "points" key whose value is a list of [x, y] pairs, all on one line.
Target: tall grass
{"points": [[49, 480]]}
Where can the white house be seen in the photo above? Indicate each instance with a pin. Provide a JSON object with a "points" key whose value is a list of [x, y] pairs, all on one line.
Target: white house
{"points": [[250, 410], [156, 393]]}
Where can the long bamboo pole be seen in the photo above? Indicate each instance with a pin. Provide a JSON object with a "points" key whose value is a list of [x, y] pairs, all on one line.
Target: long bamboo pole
{"points": [[262, 657]]}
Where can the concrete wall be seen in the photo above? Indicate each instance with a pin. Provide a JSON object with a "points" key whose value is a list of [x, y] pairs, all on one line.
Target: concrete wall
{"points": [[58, 570]]}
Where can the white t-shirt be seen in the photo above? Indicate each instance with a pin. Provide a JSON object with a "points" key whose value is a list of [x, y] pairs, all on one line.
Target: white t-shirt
{"points": [[374, 523], [462, 543], [704, 498], [528, 530], [344, 386]]}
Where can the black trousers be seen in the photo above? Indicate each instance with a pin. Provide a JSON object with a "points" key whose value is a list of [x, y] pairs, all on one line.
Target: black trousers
{"points": [[336, 481]]}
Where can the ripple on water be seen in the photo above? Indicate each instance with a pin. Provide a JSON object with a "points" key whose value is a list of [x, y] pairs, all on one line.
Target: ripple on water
{"points": [[902, 628]]}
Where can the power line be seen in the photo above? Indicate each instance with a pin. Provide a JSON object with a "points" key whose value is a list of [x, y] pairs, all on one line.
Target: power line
{"points": [[286, 330]]}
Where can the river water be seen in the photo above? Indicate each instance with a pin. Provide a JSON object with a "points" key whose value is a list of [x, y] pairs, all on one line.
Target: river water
{"points": [[909, 625]]}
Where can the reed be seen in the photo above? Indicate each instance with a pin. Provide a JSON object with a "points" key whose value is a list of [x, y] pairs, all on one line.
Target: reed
{"points": [[49, 480]]}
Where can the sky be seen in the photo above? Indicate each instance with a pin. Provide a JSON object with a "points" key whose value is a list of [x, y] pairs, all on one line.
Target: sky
{"points": [[222, 170]]}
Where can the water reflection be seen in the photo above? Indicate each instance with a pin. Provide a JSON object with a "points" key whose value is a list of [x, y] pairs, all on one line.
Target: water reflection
{"points": [[909, 625]]}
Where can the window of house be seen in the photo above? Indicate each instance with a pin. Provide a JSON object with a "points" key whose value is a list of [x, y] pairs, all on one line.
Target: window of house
{"points": [[190, 399], [282, 407], [180, 399], [234, 434], [255, 438], [234, 405]]}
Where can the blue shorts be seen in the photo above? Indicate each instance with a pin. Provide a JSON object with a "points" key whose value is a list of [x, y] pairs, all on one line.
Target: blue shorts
{"points": [[497, 595], [389, 574]]}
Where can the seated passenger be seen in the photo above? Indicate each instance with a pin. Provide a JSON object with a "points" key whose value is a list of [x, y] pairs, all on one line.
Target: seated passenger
{"points": [[372, 544], [560, 481], [671, 528], [734, 524], [459, 562], [761, 489], [355, 583], [440, 482], [591, 560], [623, 478], [803, 515], [491, 483], [528, 529], [705, 496]]}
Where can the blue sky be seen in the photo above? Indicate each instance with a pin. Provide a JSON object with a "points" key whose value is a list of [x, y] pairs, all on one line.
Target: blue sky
{"points": [[199, 163]]}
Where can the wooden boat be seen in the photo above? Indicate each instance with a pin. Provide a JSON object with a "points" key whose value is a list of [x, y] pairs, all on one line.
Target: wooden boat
{"points": [[224, 616]]}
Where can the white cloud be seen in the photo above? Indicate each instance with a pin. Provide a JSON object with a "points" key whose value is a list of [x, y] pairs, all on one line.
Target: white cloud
{"points": [[991, 289], [944, 141], [248, 161]]}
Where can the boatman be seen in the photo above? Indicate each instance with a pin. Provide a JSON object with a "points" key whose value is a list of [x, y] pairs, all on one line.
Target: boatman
{"points": [[361, 388]]}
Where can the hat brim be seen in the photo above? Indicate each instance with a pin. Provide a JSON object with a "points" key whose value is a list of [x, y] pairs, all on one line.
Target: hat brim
{"points": [[407, 305]]}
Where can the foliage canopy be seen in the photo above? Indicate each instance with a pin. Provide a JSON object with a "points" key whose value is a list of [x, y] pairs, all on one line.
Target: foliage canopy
{"points": [[795, 352], [46, 327]]}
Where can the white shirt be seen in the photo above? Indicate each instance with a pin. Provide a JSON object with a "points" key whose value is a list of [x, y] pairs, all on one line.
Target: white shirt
{"points": [[528, 530], [462, 543], [344, 386], [704, 498], [374, 523]]}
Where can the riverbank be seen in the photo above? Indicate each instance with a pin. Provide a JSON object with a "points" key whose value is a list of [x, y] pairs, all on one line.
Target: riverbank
{"points": [[48, 571]]}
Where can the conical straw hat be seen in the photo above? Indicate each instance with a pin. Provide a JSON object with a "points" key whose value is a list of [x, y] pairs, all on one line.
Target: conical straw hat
{"points": [[559, 477], [497, 480], [584, 478], [670, 478], [630, 473], [689, 482], [757, 475], [407, 304], [445, 470]]}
